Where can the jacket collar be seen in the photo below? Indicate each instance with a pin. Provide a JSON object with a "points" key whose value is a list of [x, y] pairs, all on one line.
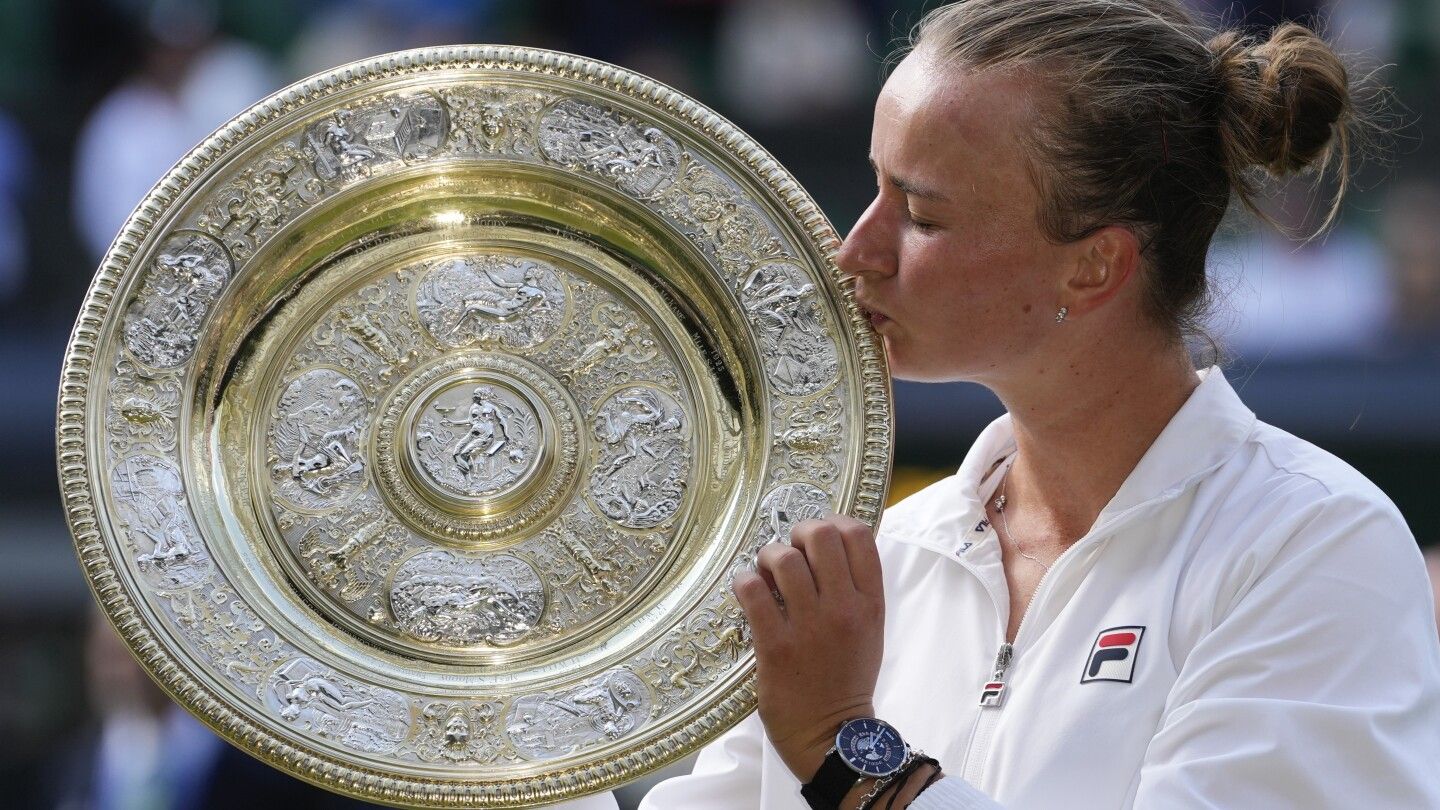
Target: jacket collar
{"points": [[1207, 430]]}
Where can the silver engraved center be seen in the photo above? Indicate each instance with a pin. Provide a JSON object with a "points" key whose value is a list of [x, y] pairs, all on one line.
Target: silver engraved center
{"points": [[477, 439]]}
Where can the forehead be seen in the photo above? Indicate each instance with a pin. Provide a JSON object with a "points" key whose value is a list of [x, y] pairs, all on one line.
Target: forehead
{"points": [[937, 119]]}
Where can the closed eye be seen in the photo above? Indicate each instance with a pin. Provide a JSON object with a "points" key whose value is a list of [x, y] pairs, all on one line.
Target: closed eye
{"points": [[919, 224]]}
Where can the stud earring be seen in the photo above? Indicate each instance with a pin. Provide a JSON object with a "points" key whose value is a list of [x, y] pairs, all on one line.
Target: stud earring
{"points": [[1060, 316]]}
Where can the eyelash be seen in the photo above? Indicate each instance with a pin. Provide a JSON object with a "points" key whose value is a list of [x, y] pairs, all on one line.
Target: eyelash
{"points": [[923, 227]]}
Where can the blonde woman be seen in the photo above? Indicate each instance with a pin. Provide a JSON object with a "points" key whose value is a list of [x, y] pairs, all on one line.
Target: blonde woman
{"points": [[1132, 593]]}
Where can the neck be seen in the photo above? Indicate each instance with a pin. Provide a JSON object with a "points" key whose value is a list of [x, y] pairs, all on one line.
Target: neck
{"points": [[1081, 427]]}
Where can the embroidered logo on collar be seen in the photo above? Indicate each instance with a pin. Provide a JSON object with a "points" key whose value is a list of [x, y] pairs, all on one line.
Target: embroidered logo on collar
{"points": [[1113, 655]]}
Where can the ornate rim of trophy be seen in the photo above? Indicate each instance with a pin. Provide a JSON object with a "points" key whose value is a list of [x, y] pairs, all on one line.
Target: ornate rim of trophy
{"points": [[415, 424]]}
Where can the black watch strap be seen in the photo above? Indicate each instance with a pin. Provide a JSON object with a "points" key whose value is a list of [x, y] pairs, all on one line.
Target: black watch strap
{"points": [[830, 784]]}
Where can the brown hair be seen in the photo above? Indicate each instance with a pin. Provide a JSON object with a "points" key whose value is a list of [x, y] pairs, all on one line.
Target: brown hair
{"points": [[1152, 121]]}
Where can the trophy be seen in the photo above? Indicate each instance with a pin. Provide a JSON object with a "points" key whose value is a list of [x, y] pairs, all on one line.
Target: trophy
{"points": [[415, 425]]}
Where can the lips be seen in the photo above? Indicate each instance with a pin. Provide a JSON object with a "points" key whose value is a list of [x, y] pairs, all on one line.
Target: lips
{"points": [[874, 316]]}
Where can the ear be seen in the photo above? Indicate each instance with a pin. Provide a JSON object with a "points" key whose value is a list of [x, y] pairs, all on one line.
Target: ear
{"points": [[1105, 264]]}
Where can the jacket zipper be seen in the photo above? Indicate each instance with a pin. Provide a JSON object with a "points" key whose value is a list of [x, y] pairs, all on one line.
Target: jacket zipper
{"points": [[977, 751]]}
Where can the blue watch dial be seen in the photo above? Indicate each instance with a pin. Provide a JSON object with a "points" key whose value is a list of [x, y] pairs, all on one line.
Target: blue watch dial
{"points": [[871, 747]]}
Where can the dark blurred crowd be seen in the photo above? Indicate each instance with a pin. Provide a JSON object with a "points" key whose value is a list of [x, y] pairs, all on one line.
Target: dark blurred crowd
{"points": [[98, 98]]}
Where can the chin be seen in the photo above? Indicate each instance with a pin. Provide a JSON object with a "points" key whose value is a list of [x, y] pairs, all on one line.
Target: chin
{"points": [[924, 370], [909, 372]]}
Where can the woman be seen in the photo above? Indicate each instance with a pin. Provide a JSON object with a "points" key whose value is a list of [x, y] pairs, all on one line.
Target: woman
{"points": [[1132, 593]]}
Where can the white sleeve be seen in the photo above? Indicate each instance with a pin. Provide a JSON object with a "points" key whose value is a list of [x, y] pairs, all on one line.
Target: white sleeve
{"points": [[953, 793], [726, 774], [1317, 682]]}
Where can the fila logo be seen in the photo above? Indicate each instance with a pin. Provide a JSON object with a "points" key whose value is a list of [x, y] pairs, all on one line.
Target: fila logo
{"points": [[993, 694], [964, 547], [982, 525], [1113, 656]]}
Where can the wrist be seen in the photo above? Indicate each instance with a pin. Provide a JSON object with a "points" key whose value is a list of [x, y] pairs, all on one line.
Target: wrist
{"points": [[806, 762]]}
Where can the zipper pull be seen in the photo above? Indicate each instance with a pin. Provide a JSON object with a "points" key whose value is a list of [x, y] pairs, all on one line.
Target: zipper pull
{"points": [[994, 692]]}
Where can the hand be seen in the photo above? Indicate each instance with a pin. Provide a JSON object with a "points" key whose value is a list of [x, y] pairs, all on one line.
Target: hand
{"points": [[818, 654]]}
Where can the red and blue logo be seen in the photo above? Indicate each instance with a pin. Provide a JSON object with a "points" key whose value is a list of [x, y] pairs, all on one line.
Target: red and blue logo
{"points": [[1113, 656]]}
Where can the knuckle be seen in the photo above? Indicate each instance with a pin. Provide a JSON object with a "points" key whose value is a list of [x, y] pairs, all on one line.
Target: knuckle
{"points": [[813, 527], [767, 555], [855, 529], [788, 557], [748, 588]]}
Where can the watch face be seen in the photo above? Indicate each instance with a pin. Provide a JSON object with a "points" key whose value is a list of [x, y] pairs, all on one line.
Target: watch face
{"points": [[871, 747]]}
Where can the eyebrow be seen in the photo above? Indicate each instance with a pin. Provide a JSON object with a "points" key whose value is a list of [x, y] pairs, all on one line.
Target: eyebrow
{"points": [[911, 187]]}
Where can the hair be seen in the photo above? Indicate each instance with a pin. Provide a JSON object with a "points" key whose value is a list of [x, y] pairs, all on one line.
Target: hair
{"points": [[1151, 120]]}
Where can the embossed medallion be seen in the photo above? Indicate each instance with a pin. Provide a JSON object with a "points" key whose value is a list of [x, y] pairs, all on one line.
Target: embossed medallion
{"points": [[552, 724], [316, 438], [186, 277], [438, 596], [639, 478], [512, 302], [416, 423], [476, 439]]}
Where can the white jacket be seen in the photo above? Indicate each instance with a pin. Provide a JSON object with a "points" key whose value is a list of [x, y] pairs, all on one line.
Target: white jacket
{"points": [[1248, 624]]}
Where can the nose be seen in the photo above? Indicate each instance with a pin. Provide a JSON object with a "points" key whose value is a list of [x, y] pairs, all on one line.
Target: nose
{"points": [[868, 249]]}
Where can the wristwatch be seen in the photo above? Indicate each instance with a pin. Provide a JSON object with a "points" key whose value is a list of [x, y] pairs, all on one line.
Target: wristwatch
{"points": [[864, 748]]}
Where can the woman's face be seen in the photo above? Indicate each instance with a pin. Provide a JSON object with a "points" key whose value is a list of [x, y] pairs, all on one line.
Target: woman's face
{"points": [[949, 260]]}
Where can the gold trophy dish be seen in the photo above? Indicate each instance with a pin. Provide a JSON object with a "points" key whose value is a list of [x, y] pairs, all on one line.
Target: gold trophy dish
{"points": [[415, 424]]}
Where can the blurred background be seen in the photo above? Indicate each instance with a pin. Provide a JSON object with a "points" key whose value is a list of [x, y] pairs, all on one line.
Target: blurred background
{"points": [[1337, 340]]}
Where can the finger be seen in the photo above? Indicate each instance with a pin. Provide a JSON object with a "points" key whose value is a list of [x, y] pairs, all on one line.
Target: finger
{"points": [[790, 573], [767, 620], [825, 552], [765, 573], [862, 553]]}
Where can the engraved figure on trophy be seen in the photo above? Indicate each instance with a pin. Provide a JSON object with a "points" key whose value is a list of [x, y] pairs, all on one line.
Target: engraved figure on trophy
{"points": [[460, 733], [497, 443], [644, 457], [261, 200], [150, 497], [336, 153], [576, 552], [189, 272], [441, 597], [358, 327], [602, 709], [311, 697], [141, 409], [492, 119], [512, 301], [742, 236], [410, 128], [800, 357], [619, 337], [809, 438], [315, 439], [702, 650], [228, 633], [701, 197], [348, 557], [641, 160], [363, 335]]}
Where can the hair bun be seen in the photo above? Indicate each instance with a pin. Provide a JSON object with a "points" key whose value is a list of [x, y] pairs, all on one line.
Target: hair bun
{"points": [[1285, 103]]}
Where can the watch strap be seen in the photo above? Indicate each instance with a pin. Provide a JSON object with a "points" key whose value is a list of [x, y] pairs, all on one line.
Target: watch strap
{"points": [[828, 787]]}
